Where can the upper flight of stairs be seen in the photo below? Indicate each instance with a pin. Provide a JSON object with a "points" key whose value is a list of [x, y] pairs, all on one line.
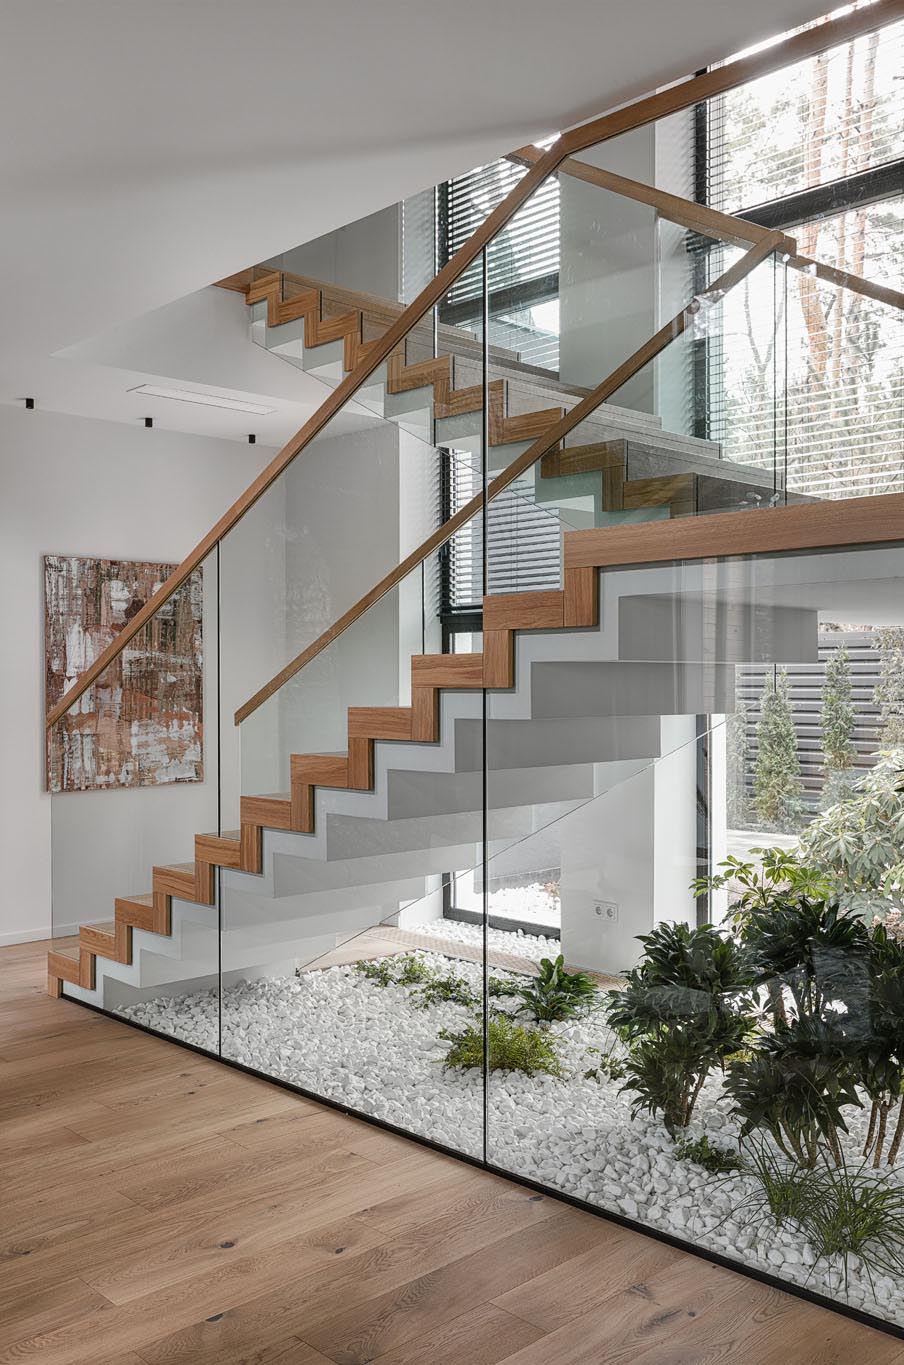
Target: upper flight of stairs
{"points": [[634, 465]]}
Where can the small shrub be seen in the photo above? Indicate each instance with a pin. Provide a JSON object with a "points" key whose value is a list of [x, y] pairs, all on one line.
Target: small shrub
{"points": [[445, 990], [555, 994], [609, 1067], [379, 972], [857, 1213], [414, 971], [502, 987], [512, 1047], [785, 1191], [840, 1212], [682, 1011], [716, 1160]]}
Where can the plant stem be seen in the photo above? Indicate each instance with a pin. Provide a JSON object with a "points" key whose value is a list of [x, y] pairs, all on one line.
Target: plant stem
{"points": [[776, 1000], [880, 1136], [871, 1131], [693, 1099], [834, 1147], [898, 1135]]}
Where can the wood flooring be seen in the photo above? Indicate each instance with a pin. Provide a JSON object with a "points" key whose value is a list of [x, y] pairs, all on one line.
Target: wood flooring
{"points": [[157, 1207]]}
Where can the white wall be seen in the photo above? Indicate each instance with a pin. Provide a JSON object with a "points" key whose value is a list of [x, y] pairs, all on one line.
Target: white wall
{"points": [[77, 486], [364, 255]]}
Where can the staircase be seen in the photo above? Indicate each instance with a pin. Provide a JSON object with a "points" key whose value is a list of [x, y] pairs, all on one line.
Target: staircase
{"points": [[579, 701]]}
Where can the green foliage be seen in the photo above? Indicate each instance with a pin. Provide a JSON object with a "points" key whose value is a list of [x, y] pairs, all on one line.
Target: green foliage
{"points": [[889, 691], [450, 989], [839, 1211], [881, 1053], [783, 1191], [858, 844], [737, 764], [414, 971], [856, 1213], [683, 1010], [379, 972], [777, 782], [780, 879], [502, 987], [838, 724], [809, 948], [555, 994], [795, 1085], [716, 1160], [512, 1047], [431, 987], [608, 1067]]}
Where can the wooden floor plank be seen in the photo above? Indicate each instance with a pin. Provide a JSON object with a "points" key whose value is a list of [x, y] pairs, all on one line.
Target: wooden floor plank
{"points": [[160, 1208], [485, 1336]]}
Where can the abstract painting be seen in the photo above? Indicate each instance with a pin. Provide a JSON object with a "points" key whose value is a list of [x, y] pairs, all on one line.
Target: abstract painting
{"points": [[141, 723]]}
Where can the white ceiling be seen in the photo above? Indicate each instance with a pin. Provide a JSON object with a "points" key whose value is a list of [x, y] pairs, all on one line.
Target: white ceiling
{"points": [[153, 146]]}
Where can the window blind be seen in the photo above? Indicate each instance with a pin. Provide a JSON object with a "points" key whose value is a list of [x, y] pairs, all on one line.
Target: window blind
{"points": [[526, 251], [523, 542]]}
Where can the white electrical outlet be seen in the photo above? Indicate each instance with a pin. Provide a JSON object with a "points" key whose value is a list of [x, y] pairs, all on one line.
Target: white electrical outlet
{"points": [[608, 910]]}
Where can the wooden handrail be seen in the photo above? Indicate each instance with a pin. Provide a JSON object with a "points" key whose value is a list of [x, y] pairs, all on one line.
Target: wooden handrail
{"points": [[639, 113], [709, 222], [777, 241]]}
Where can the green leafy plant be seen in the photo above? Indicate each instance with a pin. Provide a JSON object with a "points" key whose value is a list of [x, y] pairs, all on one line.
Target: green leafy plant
{"points": [[503, 987], [777, 879], [608, 1067], [512, 1047], [796, 1084], [379, 972], [682, 1011], [858, 844], [783, 1191], [881, 1054], [702, 1152], [777, 785], [555, 994], [856, 1213], [414, 971], [451, 989]]}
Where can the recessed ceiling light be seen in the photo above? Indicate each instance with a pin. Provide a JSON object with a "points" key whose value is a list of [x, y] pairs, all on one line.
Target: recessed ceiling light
{"points": [[209, 400]]}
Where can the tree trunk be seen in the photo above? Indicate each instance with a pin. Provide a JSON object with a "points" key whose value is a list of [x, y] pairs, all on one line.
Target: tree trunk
{"points": [[871, 1131], [898, 1135]]}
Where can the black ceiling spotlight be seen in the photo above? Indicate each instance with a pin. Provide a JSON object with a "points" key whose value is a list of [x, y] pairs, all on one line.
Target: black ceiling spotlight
{"points": [[252, 439], [29, 404], [148, 421]]}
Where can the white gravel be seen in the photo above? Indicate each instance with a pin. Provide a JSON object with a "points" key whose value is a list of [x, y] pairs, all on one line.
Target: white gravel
{"points": [[344, 1037], [531, 904], [531, 946]]}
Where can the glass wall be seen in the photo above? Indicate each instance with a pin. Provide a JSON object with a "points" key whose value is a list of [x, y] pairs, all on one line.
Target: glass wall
{"points": [[523, 834]]}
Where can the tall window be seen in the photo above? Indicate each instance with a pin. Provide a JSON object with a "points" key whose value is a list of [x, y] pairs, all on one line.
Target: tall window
{"points": [[522, 261], [817, 150]]}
